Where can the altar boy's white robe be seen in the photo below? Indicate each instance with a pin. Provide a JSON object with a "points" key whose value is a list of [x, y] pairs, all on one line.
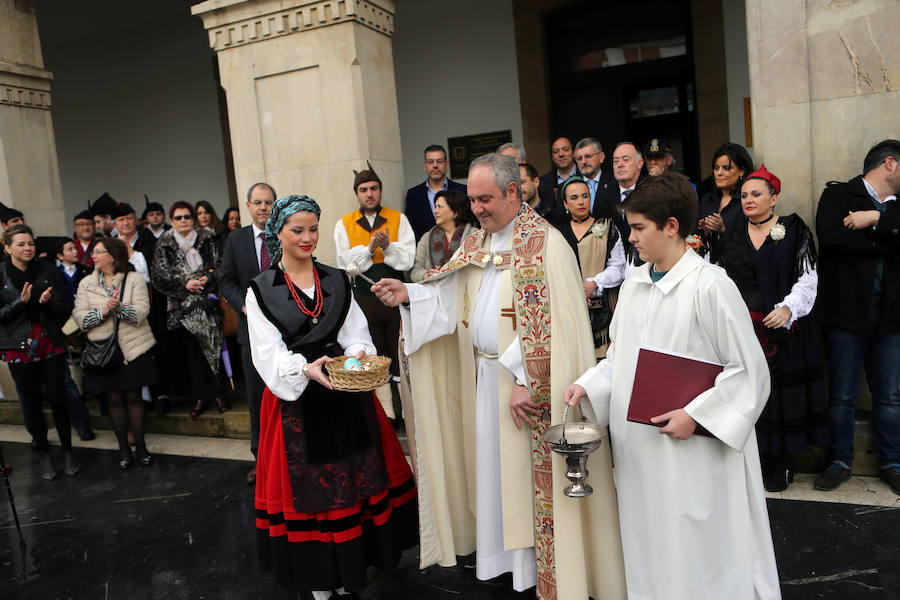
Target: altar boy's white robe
{"points": [[692, 512], [448, 318]]}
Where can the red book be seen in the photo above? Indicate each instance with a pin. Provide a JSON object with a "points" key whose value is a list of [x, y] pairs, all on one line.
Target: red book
{"points": [[665, 381]]}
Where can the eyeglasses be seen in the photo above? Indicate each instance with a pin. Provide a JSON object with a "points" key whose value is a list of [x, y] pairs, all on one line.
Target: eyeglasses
{"points": [[182, 218], [98, 251], [260, 202]]}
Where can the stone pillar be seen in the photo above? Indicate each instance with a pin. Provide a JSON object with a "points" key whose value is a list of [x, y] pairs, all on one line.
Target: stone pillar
{"points": [[311, 96], [29, 171], [823, 85]]}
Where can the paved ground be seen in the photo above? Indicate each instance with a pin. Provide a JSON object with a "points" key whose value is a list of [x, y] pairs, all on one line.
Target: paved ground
{"points": [[184, 529]]}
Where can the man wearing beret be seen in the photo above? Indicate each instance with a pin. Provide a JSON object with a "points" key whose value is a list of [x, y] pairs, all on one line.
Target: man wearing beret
{"points": [[154, 218], [381, 242]]}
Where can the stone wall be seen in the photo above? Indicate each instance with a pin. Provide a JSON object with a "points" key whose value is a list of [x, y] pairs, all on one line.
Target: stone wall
{"points": [[823, 77]]}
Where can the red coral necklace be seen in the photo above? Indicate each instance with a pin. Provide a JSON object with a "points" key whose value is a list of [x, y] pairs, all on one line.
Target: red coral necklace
{"points": [[315, 312]]}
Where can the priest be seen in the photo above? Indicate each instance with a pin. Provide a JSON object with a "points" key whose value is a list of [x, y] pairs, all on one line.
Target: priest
{"points": [[490, 343]]}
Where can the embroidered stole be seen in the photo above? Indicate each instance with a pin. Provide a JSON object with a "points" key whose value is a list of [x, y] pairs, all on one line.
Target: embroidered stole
{"points": [[531, 298]]}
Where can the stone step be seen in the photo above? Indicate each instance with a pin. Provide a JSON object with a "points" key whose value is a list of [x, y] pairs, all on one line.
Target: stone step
{"points": [[233, 424], [236, 424]]}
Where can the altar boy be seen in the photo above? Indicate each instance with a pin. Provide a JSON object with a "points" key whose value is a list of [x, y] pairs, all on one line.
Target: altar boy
{"points": [[691, 508]]}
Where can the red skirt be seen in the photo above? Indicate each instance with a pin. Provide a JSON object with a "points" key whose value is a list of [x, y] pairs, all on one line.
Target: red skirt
{"points": [[330, 549]]}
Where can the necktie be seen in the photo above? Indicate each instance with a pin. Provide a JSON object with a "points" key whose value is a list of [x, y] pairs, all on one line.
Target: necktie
{"points": [[593, 187], [265, 261], [625, 194]]}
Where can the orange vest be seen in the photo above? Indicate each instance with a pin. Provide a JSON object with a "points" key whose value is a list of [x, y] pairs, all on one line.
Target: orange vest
{"points": [[358, 232]]}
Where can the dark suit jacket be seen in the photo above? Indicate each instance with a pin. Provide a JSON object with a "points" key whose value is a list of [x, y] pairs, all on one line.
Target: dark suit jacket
{"points": [[552, 207], [239, 266], [418, 210], [848, 260]]}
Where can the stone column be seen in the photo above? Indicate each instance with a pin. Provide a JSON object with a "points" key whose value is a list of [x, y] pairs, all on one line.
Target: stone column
{"points": [[311, 96], [823, 84], [29, 171]]}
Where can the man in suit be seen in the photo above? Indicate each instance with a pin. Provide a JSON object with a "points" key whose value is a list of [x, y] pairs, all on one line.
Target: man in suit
{"points": [[245, 255], [420, 198], [514, 151], [589, 157], [563, 157]]}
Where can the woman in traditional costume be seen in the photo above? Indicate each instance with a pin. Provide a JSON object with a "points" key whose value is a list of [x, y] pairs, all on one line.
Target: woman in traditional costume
{"points": [[334, 493], [773, 262], [601, 257]]}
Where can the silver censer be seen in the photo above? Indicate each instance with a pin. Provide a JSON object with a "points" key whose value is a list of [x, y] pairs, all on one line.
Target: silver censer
{"points": [[575, 441]]}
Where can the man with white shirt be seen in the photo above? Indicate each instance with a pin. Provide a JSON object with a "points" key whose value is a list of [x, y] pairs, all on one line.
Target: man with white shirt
{"points": [[154, 218], [627, 165], [381, 242], [491, 339], [244, 257]]}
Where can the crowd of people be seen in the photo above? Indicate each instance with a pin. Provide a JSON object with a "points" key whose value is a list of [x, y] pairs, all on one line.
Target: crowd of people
{"points": [[495, 300], [126, 303]]}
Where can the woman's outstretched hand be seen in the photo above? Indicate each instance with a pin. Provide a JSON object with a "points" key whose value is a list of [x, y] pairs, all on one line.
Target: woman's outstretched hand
{"points": [[315, 371]]}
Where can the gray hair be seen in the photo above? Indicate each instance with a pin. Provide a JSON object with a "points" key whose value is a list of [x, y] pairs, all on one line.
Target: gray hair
{"points": [[637, 150], [584, 142], [520, 150], [503, 168]]}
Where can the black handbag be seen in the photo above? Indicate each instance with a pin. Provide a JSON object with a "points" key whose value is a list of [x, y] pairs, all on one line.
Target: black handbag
{"points": [[104, 355]]}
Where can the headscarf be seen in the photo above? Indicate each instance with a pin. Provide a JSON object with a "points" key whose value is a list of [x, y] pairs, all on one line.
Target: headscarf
{"points": [[283, 209]]}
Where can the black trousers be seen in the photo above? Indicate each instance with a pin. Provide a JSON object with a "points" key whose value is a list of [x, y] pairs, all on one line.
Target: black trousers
{"points": [[255, 389], [39, 381], [384, 326]]}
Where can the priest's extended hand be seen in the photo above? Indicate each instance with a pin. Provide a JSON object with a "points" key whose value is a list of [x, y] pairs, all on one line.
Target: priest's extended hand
{"points": [[573, 394], [680, 424], [522, 406], [315, 371], [391, 292]]}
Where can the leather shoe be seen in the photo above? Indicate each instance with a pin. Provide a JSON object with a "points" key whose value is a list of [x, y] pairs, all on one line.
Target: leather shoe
{"points": [[86, 433], [125, 462], [145, 461], [832, 478], [891, 476], [251, 476], [199, 407], [222, 403]]}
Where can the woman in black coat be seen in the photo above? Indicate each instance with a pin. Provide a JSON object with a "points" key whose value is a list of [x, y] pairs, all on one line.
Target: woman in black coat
{"points": [[35, 301]]}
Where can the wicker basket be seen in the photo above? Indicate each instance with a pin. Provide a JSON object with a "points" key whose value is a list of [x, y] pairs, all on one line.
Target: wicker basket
{"points": [[359, 381]]}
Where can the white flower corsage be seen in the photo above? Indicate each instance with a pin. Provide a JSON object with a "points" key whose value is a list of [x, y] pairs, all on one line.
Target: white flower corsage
{"points": [[599, 229], [777, 232]]}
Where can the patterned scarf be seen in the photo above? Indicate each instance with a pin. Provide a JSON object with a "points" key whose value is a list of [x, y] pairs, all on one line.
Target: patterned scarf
{"points": [[442, 249], [186, 245]]}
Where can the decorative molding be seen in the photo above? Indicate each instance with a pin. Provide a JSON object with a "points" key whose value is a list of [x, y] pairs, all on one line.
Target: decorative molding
{"points": [[302, 18], [25, 86], [16, 95]]}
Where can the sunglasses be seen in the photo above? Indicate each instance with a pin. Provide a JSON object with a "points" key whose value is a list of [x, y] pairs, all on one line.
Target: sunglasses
{"points": [[182, 218]]}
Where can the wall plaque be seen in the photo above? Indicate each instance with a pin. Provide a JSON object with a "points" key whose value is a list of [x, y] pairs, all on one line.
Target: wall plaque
{"points": [[466, 148]]}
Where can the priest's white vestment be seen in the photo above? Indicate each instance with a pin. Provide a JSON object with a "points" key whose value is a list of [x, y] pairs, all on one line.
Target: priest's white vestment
{"points": [[474, 468], [692, 512]]}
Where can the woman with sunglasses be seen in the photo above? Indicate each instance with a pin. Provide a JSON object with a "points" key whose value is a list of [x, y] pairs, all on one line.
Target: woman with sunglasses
{"points": [[184, 270]]}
